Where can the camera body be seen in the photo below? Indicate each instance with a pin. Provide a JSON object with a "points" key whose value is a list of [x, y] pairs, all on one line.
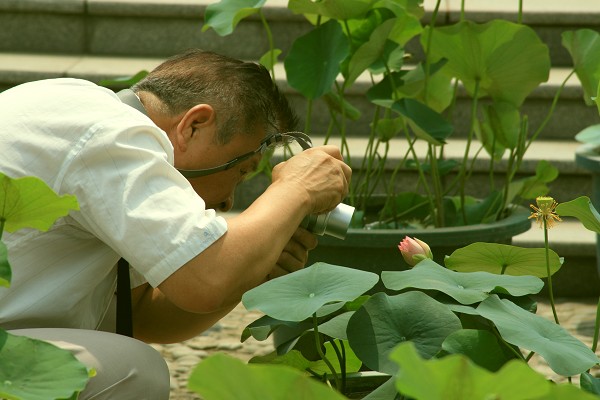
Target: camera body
{"points": [[334, 223]]}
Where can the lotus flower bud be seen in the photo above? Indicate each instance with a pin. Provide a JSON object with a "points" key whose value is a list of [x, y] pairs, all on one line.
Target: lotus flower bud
{"points": [[414, 250]]}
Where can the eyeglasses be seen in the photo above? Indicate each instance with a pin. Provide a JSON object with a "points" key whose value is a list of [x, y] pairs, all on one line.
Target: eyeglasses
{"points": [[270, 142]]}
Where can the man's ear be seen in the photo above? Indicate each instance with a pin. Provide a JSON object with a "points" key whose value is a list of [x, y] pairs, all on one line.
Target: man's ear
{"points": [[193, 122]]}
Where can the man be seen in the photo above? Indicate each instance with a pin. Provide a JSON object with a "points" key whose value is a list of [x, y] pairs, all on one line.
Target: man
{"points": [[204, 116]]}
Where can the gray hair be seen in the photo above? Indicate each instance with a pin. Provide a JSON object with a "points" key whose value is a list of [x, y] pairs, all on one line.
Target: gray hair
{"points": [[242, 93]]}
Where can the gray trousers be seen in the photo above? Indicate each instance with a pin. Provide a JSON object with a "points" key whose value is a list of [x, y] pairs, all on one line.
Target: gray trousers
{"points": [[126, 368]]}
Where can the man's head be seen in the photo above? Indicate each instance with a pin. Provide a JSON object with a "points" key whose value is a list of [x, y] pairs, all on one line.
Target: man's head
{"points": [[242, 94], [214, 109]]}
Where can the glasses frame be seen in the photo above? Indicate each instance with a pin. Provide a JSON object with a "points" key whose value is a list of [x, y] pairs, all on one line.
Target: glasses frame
{"points": [[274, 139]]}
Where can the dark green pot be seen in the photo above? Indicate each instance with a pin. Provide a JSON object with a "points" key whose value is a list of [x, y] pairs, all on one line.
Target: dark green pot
{"points": [[377, 250]]}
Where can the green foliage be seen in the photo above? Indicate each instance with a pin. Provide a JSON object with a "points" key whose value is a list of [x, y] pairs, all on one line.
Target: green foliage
{"points": [[582, 209], [385, 321], [5, 271], [314, 60], [565, 354], [323, 288], [584, 47], [124, 82], [457, 378], [29, 203], [503, 259], [219, 377], [223, 17], [32, 369], [499, 59], [458, 332], [466, 288], [365, 40]]}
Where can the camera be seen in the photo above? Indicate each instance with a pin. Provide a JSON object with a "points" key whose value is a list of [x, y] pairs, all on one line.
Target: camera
{"points": [[334, 223]]}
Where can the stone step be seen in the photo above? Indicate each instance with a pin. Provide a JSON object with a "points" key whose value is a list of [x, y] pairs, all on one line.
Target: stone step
{"points": [[158, 28], [572, 182], [16, 68], [570, 116]]}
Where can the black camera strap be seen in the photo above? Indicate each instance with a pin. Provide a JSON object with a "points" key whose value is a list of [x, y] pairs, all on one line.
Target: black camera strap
{"points": [[124, 311]]}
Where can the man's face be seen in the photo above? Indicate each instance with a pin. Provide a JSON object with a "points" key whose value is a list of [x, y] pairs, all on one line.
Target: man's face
{"points": [[217, 189]]}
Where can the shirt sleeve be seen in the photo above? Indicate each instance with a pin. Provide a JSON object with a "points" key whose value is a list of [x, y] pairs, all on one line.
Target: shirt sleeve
{"points": [[134, 200]]}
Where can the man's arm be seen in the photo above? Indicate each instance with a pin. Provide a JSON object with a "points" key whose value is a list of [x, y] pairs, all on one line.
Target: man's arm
{"points": [[158, 320], [314, 181]]}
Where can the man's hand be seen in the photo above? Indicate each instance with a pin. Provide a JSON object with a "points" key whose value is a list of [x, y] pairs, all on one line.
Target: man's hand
{"points": [[318, 175], [295, 254]]}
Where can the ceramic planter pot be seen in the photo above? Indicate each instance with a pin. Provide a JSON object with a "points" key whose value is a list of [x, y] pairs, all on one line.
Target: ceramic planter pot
{"points": [[588, 156], [377, 250]]}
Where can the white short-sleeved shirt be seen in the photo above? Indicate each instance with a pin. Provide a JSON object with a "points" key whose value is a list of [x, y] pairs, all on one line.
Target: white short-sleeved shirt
{"points": [[80, 139]]}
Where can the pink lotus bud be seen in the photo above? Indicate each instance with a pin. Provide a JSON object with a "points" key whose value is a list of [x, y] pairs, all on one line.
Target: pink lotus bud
{"points": [[414, 250]]}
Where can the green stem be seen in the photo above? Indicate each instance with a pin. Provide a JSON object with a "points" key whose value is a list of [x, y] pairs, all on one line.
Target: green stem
{"points": [[463, 167], [2, 221], [322, 355], [550, 112], [427, 59], [436, 182], [341, 355], [550, 292], [270, 40], [596, 328], [529, 356]]}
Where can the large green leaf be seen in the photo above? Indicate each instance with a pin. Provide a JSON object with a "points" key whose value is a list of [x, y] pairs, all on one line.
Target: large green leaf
{"points": [[29, 203], [584, 47], [222, 377], [297, 296], [565, 354], [5, 271], [427, 123], [582, 209], [503, 259], [533, 186], [337, 326], [464, 287], [297, 360], [500, 128], [397, 30], [224, 16], [455, 377], [507, 60], [124, 81], [313, 62], [336, 9], [482, 347], [591, 134], [385, 321], [590, 383], [36, 370]]}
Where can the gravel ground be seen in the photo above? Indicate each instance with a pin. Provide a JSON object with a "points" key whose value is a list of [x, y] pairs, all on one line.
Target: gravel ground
{"points": [[576, 315]]}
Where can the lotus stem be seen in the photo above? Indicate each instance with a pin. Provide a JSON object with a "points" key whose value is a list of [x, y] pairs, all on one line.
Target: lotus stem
{"points": [[322, 355], [270, 40], [342, 360], [596, 326], [550, 291], [463, 172]]}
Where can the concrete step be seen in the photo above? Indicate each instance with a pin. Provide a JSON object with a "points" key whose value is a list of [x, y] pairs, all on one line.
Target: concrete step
{"points": [[16, 68], [570, 116], [572, 182], [151, 28]]}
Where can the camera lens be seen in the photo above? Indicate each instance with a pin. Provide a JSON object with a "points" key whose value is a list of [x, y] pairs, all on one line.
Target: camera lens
{"points": [[335, 223]]}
